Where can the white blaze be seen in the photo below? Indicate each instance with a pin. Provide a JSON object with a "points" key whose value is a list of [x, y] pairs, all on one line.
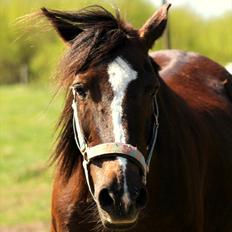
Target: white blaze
{"points": [[120, 75], [125, 197]]}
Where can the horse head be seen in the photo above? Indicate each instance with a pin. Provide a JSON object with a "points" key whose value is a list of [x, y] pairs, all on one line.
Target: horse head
{"points": [[112, 86]]}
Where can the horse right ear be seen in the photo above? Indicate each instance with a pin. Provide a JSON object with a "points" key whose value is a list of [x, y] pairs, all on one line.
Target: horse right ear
{"points": [[64, 23], [155, 26]]}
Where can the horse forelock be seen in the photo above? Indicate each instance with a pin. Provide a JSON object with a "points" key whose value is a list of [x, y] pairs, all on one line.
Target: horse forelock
{"points": [[102, 34]]}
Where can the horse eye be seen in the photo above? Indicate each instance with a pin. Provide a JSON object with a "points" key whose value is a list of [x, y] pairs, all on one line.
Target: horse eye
{"points": [[80, 90]]}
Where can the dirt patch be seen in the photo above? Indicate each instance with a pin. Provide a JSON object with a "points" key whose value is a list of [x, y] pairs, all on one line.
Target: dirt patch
{"points": [[25, 228]]}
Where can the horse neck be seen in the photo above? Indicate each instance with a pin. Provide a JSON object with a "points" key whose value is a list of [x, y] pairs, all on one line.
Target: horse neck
{"points": [[179, 125], [175, 171]]}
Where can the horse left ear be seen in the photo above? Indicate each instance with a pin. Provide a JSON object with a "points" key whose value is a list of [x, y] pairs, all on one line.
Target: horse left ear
{"points": [[155, 26], [64, 23]]}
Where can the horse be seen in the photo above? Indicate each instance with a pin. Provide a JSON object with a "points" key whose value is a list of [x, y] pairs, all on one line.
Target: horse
{"points": [[145, 140]]}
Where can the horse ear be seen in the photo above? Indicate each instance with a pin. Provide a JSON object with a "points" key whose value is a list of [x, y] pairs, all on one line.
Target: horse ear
{"points": [[155, 26], [64, 23]]}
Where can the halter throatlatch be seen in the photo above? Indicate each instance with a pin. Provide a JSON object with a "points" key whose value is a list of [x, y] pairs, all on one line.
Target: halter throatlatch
{"points": [[115, 149]]}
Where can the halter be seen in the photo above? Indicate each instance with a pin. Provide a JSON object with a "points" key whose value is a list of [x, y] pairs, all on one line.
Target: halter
{"points": [[121, 149]]}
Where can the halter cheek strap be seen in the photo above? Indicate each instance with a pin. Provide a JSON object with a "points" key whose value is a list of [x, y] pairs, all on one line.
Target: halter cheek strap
{"points": [[114, 149]]}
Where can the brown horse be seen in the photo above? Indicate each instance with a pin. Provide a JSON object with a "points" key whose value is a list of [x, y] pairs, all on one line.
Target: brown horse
{"points": [[117, 96]]}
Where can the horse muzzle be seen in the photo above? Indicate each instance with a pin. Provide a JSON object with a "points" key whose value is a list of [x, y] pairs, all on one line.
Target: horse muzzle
{"points": [[120, 194]]}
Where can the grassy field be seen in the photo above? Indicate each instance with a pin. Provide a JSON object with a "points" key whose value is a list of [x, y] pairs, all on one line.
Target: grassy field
{"points": [[27, 120]]}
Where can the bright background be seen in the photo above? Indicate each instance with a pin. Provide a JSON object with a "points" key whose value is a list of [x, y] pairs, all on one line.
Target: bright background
{"points": [[29, 54], [205, 8]]}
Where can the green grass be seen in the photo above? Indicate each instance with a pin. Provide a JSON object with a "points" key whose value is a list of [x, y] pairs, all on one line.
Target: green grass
{"points": [[27, 122]]}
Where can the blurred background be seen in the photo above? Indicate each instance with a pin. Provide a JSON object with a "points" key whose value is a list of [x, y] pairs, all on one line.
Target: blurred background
{"points": [[29, 111]]}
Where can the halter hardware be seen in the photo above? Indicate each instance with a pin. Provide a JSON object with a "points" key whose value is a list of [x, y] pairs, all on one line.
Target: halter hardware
{"points": [[119, 149]]}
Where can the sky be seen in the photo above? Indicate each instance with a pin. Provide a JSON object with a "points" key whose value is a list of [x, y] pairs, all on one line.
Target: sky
{"points": [[206, 8]]}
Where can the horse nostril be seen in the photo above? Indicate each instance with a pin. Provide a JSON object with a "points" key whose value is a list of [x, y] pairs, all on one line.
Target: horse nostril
{"points": [[105, 200], [141, 200]]}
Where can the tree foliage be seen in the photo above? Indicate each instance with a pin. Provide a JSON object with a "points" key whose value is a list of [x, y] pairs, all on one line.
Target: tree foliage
{"points": [[210, 37]]}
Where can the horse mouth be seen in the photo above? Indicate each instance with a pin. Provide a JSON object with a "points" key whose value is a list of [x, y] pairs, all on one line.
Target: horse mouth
{"points": [[119, 225]]}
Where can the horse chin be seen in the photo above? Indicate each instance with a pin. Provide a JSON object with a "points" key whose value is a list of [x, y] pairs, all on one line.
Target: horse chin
{"points": [[117, 224]]}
